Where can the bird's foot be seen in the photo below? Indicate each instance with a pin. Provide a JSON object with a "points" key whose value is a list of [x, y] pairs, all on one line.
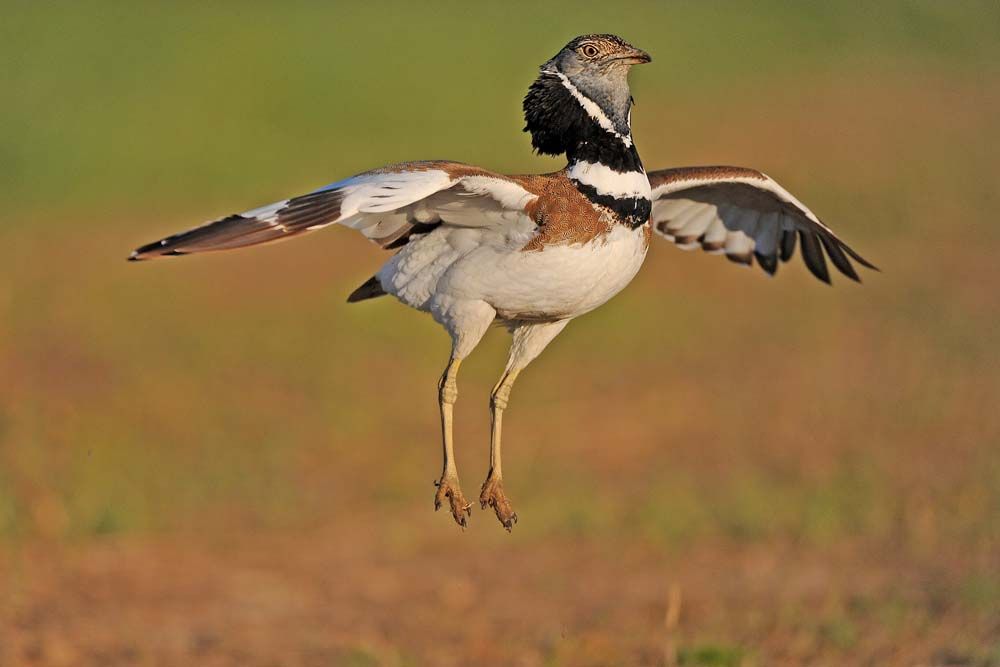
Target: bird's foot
{"points": [[448, 490], [493, 495]]}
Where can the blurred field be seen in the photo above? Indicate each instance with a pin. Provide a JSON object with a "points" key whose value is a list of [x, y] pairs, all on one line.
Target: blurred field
{"points": [[216, 461]]}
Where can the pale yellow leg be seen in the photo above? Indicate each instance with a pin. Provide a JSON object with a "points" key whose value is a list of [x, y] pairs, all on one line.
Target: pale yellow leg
{"points": [[448, 487], [529, 339], [492, 493]]}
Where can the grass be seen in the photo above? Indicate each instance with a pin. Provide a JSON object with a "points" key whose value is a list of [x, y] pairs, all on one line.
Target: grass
{"points": [[711, 655]]}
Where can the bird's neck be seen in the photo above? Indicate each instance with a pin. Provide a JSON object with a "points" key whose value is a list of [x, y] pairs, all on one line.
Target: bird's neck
{"points": [[611, 147], [597, 140], [605, 167]]}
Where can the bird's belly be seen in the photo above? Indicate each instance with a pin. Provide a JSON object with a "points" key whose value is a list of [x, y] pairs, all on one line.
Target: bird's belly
{"points": [[414, 273], [556, 282]]}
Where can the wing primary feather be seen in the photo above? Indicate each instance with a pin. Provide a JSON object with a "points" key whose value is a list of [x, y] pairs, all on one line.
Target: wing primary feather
{"points": [[305, 218], [268, 223], [404, 191], [768, 262], [858, 258], [787, 244], [812, 254], [224, 230], [838, 258]]}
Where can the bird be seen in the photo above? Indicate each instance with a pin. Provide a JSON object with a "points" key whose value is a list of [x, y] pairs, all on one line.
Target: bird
{"points": [[474, 248]]}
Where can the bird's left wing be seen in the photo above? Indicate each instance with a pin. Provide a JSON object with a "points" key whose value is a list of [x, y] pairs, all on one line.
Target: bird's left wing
{"points": [[386, 205], [744, 214]]}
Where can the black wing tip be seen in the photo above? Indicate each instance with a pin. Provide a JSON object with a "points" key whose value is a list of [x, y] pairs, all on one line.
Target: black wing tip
{"points": [[152, 251], [858, 258], [769, 263], [861, 260], [147, 251], [835, 251], [812, 256], [821, 274]]}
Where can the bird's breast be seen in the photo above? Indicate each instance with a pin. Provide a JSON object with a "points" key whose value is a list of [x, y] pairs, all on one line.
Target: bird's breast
{"points": [[566, 280]]}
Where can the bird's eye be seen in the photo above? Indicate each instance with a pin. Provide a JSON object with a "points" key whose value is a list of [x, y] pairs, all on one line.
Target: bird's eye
{"points": [[590, 51]]}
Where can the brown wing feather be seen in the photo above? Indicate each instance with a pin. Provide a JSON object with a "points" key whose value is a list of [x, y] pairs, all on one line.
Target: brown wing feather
{"points": [[389, 205]]}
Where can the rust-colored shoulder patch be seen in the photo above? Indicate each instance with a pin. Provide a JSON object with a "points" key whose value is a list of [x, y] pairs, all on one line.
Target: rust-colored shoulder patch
{"points": [[563, 214]]}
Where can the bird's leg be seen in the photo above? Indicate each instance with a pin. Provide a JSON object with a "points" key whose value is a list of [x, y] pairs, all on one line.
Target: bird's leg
{"points": [[530, 338], [492, 493], [447, 487]]}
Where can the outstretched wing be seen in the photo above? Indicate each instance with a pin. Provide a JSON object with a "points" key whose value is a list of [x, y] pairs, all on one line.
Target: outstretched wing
{"points": [[387, 205], [743, 214]]}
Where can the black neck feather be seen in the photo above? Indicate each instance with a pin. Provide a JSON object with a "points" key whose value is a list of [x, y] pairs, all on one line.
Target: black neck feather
{"points": [[630, 211], [607, 149], [559, 124]]}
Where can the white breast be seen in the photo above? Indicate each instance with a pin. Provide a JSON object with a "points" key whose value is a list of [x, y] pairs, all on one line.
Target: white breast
{"points": [[557, 282]]}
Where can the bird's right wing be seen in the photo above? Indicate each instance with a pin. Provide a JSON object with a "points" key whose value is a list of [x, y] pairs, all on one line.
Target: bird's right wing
{"points": [[744, 214], [387, 205]]}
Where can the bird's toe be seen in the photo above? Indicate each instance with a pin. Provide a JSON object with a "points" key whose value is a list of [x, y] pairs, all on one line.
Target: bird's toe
{"points": [[493, 496], [449, 491]]}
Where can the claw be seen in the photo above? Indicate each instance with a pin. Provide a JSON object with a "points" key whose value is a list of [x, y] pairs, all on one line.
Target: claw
{"points": [[460, 508], [493, 496]]}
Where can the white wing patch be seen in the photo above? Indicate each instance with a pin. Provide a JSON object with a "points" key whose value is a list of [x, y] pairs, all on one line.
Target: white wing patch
{"points": [[509, 194]]}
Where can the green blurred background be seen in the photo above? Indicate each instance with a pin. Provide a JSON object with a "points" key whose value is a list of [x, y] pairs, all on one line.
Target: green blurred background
{"points": [[705, 410]]}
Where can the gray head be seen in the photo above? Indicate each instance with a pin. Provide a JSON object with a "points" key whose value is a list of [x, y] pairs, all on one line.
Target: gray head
{"points": [[590, 74]]}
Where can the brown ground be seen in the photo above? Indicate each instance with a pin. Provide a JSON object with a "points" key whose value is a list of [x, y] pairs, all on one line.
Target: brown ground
{"points": [[316, 599]]}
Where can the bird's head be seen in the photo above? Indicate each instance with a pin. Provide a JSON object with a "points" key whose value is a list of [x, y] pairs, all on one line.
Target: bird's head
{"points": [[584, 85]]}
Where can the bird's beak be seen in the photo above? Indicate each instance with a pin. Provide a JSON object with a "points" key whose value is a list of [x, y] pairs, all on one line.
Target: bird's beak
{"points": [[635, 56]]}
